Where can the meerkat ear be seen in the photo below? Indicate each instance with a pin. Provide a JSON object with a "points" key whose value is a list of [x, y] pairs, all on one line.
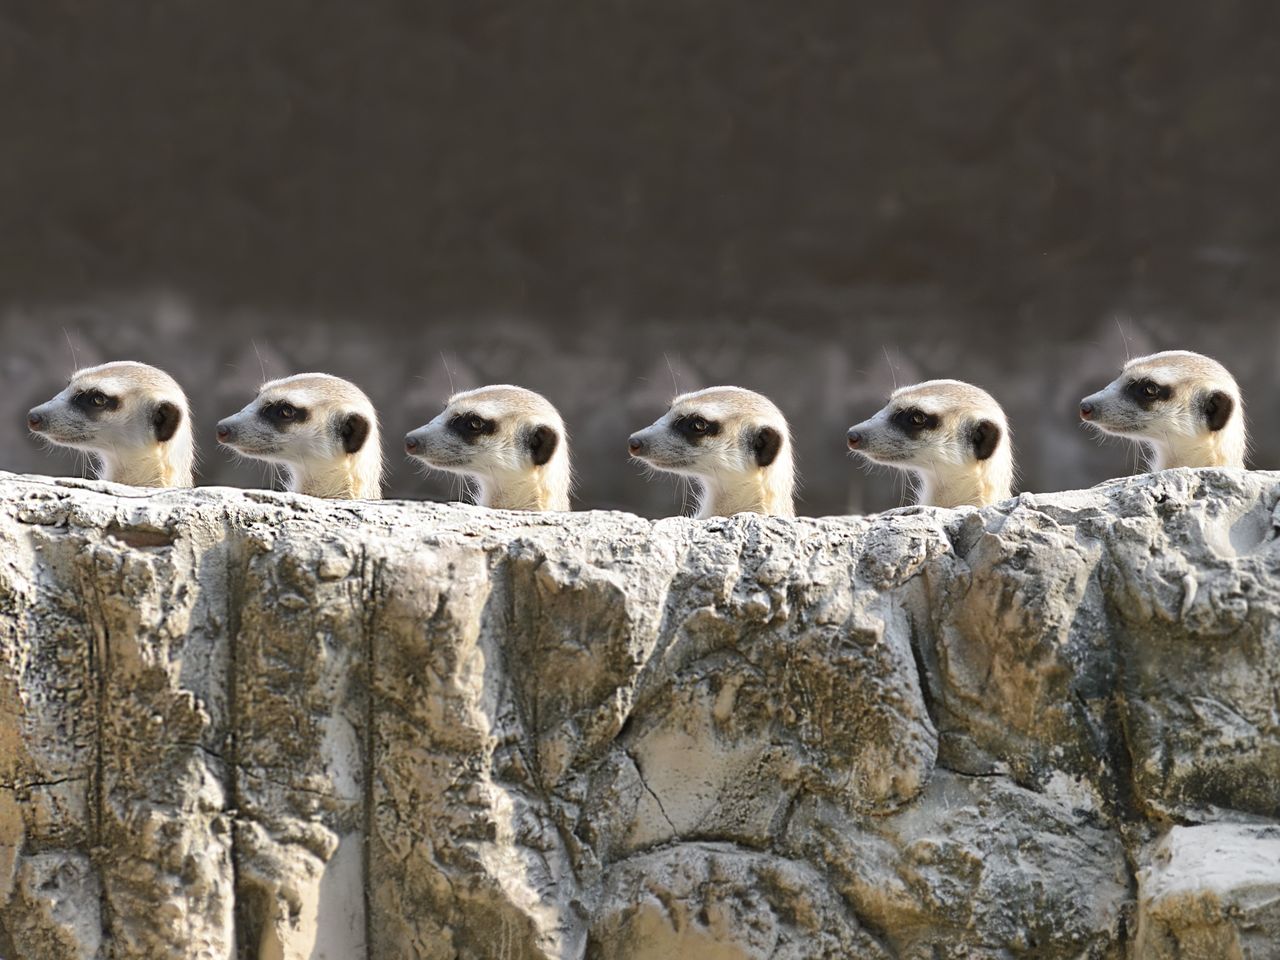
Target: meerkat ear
{"points": [[354, 432], [1218, 407], [985, 437], [166, 420], [542, 441], [765, 445]]}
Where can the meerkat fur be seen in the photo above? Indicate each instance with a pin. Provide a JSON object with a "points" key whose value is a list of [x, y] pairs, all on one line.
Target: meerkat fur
{"points": [[132, 418], [951, 436], [320, 429], [733, 442], [509, 442], [1184, 408]]}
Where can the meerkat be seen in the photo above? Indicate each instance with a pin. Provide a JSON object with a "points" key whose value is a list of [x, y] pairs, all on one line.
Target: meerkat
{"points": [[321, 429], [733, 442], [1185, 408], [508, 441], [132, 418], [952, 436]]}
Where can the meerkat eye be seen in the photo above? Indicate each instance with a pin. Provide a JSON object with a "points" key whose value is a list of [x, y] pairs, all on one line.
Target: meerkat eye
{"points": [[913, 421], [694, 427], [470, 427], [94, 402], [1146, 392], [281, 412]]}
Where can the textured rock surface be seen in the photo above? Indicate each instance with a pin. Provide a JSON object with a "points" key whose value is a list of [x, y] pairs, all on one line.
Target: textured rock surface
{"points": [[258, 725], [1210, 891]]}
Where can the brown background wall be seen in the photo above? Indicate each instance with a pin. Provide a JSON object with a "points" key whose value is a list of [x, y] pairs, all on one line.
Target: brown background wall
{"points": [[587, 197]]}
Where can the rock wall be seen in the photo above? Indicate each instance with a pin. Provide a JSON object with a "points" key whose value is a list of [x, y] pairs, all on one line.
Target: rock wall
{"points": [[249, 724]]}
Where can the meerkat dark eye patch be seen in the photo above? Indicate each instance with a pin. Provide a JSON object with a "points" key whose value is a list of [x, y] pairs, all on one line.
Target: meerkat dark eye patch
{"points": [[1146, 393], [471, 426], [765, 444], [166, 420], [281, 413], [354, 431], [542, 442], [94, 403], [1218, 407], [694, 427], [985, 437], [913, 421]]}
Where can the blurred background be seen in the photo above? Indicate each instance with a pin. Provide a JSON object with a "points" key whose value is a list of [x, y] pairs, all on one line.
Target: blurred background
{"points": [[610, 201]]}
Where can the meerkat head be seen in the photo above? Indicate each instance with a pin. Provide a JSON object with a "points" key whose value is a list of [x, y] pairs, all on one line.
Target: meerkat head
{"points": [[734, 442], [1185, 408], [322, 430], [510, 442], [951, 435], [133, 419]]}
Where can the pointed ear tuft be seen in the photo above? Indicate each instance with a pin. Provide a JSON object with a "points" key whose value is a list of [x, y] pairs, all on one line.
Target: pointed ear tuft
{"points": [[765, 445], [985, 437], [166, 420], [1218, 407], [354, 432], [542, 441]]}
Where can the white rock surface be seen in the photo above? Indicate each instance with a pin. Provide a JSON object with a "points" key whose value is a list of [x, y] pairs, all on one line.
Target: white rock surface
{"points": [[238, 723], [1209, 892]]}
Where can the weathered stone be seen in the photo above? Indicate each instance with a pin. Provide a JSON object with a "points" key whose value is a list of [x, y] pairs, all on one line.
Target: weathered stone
{"points": [[978, 864], [1192, 581], [1211, 892], [724, 903], [248, 724], [55, 909]]}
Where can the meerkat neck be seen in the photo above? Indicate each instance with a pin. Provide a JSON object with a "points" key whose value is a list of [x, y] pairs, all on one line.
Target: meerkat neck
{"points": [[764, 491], [543, 488], [976, 486], [160, 465], [345, 480], [1225, 448]]}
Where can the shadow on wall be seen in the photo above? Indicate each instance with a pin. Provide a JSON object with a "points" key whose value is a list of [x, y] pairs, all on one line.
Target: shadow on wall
{"points": [[609, 378]]}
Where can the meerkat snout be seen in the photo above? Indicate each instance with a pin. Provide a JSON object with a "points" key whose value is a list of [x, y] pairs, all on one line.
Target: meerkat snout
{"points": [[734, 442], [952, 436], [321, 429], [509, 442], [1185, 408], [132, 418]]}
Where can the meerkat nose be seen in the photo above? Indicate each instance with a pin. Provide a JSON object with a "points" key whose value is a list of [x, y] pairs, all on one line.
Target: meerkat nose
{"points": [[855, 438], [635, 444], [35, 420], [224, 433], [411, 444], [1086, 410]]}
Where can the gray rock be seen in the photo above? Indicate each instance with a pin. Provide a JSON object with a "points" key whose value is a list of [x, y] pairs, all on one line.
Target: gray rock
{"points": [[253, 724], [1209, 891]]}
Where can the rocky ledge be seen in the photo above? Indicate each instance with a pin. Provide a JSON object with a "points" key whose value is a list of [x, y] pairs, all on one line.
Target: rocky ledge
{"points": [[256, 725]]}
